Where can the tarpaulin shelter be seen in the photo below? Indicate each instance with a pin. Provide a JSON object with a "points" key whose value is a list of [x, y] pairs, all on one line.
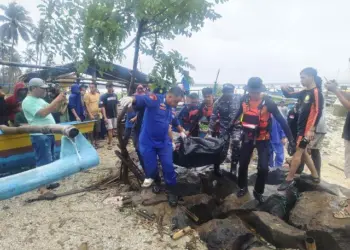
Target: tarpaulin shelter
{"points": [[110, 71]]}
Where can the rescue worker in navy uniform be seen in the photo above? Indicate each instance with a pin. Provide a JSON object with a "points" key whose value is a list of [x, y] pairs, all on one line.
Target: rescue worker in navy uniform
{"points": [[154, 138], [225, 109], [255, 113]]}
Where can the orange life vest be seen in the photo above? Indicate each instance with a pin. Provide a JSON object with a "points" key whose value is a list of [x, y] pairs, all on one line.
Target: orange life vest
{"points": [[256, 120], [207, 111]]}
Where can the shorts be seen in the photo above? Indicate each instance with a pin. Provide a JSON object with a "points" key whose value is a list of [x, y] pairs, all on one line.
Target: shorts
{"points": [[316, 143], [111, 123], [347, 159]]}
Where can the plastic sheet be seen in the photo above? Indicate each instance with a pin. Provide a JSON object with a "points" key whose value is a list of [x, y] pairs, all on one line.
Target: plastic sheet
{"points": [[197, 152]]}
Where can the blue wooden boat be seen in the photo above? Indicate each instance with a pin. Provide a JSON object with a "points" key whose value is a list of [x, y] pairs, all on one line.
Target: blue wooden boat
{"points": [[76, 155], [16, 153]]}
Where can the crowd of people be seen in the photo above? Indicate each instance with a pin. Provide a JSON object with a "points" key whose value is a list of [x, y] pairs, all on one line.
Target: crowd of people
{"points": [[251, 121]]}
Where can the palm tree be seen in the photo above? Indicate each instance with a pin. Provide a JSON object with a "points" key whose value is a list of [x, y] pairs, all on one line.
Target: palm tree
{"points": [[40, 36], [16, 23], [29, 55]]}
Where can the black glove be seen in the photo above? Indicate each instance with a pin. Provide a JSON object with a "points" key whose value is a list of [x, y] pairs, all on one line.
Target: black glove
{"points": [[291, 148]]}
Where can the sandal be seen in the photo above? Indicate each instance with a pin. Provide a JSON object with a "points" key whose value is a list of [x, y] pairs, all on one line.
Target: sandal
{"points": [[344, 203], [342, 214], [315, 180]]}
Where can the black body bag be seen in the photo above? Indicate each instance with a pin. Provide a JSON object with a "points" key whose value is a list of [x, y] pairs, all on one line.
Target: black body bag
{"points": [[198, 152]]}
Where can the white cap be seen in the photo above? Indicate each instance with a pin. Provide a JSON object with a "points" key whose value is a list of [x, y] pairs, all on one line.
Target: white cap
{"points": [[37, 82]]}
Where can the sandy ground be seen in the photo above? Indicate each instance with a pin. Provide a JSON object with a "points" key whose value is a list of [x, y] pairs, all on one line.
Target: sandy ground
{"points": [[332, 152], [68, 222]]}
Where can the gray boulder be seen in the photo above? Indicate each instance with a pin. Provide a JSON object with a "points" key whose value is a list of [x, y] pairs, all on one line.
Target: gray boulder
{"points": [[314, 214]]}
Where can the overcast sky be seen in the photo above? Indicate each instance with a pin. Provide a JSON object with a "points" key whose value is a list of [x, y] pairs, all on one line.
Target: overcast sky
{"points": [[273, 39]]}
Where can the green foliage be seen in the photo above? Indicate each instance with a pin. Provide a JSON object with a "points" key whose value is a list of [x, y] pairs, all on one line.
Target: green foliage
{"points": [[104, 30], [95, 30], [29, 55], [164, 20], [167, 64], [16, 23]]}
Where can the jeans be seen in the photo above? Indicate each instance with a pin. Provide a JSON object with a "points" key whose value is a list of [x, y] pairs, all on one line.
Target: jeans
{"points": [[44, 149], [135, 140]]}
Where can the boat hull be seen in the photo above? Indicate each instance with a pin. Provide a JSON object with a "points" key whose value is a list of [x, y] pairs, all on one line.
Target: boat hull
{"points": [[74, 157], [16, 152]]}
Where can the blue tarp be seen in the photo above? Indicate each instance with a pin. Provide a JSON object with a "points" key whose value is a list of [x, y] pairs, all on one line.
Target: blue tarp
{"points": [[115, 72]]}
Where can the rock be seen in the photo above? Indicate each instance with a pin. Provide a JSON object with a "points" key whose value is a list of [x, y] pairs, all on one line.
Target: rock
{"points": [[280, 204], [275, 177], [304, 184], [314, 213], [229, 233], [219, 187], [230, 204], [200, 205], [188, 183], [275, 230]]}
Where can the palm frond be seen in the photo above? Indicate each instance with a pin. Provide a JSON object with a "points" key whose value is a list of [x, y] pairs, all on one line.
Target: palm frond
{"points": [[4, 18], [25, 34]]}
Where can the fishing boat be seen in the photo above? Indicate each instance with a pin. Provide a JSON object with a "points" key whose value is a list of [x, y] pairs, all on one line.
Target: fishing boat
{"points": [[76, 155], [16, 153]]}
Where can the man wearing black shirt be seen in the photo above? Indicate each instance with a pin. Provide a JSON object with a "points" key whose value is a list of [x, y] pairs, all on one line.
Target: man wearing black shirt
{"points": [[108, 104]]}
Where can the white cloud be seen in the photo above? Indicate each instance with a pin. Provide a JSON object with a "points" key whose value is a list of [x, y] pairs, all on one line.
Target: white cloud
{"points": [[273, 39]]}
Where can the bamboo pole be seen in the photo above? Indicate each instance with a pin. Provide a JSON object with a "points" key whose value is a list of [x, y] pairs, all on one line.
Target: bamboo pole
{"points": [[310, 243], [69, 131]]}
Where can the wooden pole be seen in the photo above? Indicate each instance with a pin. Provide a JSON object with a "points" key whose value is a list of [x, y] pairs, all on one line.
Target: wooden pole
{"points": [[310, 243], [216, 82], [69, 131]]}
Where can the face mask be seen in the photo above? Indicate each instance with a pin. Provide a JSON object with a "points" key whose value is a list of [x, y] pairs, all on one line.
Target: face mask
{"points": [[21, 95]]}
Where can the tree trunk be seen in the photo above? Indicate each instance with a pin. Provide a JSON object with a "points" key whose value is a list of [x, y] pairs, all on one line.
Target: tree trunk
{"points": [[37, 57], [11, 72], [41, 53], [13, 45], [136, 57]]}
